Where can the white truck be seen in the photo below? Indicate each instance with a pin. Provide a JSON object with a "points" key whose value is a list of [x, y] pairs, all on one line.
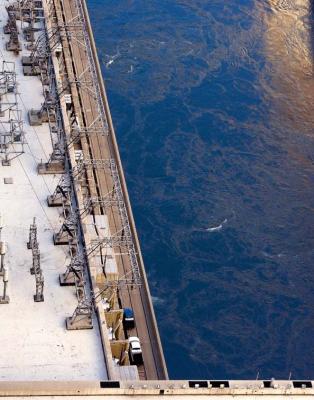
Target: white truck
{"points": [[135, 350]]}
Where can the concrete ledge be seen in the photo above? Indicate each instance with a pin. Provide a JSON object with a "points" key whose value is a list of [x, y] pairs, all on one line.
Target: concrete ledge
{"points": [[54, 167], [249, 389], [83, 323], [34, 118], [53, 202], [69, 279], [27, 61], [63, 240], [31, 71]]}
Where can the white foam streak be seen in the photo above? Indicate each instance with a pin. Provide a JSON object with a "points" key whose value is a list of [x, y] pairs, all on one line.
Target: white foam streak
{"points": [[217, 228]]}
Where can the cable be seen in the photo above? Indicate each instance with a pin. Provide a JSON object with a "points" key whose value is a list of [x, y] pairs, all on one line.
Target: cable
{"points": [[41, 145], [37, 197]]}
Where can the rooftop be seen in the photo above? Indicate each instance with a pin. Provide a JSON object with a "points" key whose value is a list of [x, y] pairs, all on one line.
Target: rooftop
{"points": [[35, 344]]}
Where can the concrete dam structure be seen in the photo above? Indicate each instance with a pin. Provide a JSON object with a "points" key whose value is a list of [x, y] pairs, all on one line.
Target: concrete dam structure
{"points": [[75, 308]]}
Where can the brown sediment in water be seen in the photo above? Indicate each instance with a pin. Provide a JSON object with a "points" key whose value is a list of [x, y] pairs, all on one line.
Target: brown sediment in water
{"points": [[288, 53]]}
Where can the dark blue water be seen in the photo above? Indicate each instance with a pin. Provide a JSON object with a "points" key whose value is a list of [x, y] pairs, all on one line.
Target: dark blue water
{"points": [[213, 107]]}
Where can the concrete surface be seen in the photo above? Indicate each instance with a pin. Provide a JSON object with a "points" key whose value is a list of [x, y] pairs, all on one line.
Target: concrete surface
{"points": [[34, 344], [155, 389]]}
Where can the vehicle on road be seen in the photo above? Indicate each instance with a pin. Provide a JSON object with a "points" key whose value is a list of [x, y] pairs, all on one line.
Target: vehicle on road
{"points": [[135, 350], [128, 318]]}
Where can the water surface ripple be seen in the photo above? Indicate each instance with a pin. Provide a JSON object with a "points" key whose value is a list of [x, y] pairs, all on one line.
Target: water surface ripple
{"points": [[213, 107]]}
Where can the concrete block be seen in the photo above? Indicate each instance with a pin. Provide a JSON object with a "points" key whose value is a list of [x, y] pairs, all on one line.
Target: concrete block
{"points": [[34, 118], [79, 323], [5, 300], [63, 239], [39, 298], [67, 280], [27, 60], [53, 167], [54, 202], [15, 47], [31, 70]]}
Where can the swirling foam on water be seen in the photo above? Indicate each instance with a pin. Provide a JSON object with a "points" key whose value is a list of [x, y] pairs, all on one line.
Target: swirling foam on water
{"points": [[217, 115]]}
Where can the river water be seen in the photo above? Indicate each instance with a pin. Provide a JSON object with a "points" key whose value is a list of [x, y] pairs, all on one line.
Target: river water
{"points": [[212, 102]]}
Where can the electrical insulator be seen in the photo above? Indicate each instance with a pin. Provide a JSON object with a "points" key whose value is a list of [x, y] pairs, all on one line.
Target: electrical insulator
{"points": [[6, 275], [3, 248]]}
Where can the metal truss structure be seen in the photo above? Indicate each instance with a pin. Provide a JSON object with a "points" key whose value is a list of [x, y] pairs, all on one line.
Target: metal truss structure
{"points": [[32, 238], [62, 194], [113, 199], [74, 31], [74, 274], [11, 28], [12, 137], [82, 316], [7, 78], [36, 270], [82, 171], [69, 228]]}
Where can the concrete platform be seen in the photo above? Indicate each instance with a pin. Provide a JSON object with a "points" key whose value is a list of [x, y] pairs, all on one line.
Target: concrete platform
{"points": [[35, 344]]}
